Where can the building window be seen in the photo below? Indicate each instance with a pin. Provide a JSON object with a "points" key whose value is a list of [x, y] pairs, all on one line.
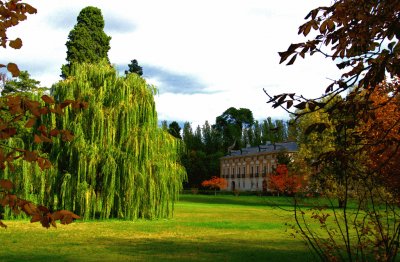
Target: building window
{"points": [[256, 171]]}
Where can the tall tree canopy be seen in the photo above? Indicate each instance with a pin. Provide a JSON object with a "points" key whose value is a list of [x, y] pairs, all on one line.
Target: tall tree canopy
{"points": [[87, 41], [231, 124], [174, 129], [121, 164]]}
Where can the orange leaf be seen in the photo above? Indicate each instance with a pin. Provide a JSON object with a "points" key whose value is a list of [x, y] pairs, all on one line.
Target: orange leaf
{"points": [[13, 69]]}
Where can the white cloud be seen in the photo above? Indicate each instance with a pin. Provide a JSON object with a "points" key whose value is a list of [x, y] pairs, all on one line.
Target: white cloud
{"points": [[229, 46]]}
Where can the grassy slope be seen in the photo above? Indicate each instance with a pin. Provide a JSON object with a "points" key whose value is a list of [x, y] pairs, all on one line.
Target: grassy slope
{"points": [[205, 228]]}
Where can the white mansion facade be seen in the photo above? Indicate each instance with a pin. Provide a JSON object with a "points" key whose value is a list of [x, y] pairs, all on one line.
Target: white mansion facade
{"points": [[247, 169]]}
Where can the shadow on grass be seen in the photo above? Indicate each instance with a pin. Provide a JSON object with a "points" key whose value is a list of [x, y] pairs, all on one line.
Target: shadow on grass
{"points": [[228, 250], [239, 200], [150, 249]]}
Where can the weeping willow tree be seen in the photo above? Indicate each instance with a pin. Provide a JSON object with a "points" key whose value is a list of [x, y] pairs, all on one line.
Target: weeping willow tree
{"points": [[120, 163]]}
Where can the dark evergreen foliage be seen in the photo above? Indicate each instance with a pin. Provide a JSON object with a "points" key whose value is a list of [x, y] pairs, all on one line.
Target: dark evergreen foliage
{"points": [[87, 41], [134, 67]]}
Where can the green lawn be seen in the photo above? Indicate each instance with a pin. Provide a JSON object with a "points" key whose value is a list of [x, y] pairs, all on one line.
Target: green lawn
{"points": [[204, 228]]}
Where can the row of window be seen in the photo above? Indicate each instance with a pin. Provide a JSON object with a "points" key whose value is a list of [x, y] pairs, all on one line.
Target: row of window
{"points": [[243, 175], [236, 171]]}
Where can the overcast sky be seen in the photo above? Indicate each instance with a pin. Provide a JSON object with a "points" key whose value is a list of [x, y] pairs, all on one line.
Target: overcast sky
{"points": [[204, 56]]}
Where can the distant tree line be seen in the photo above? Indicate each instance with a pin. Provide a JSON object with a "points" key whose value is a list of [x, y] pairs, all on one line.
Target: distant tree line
{"points": [[234, 129]]}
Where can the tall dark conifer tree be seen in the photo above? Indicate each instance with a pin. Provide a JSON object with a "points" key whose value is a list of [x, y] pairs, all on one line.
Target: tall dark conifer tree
{"points": [[87, 41]]}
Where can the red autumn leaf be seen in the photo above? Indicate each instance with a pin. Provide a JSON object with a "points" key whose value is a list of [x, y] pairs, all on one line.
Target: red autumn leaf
{"points": [[30, 122]]}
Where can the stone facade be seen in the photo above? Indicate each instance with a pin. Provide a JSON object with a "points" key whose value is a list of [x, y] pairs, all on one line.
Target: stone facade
{"points": [[247, 169]]}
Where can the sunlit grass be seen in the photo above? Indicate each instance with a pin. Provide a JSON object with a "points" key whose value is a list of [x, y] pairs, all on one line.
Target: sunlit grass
{"points": [[204, 228]]}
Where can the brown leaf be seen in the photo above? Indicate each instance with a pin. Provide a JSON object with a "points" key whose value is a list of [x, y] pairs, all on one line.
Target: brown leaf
{"points": [[45, 139], [13, 69], [47, 99], [43, 163], [36, 218], [43, 209], [29, 208], [17, 118], [292, 60], [66, 103], [16, 44], [65, 216], [6, 184], [2, 224], [11, 166], [44, 110], [45, 221], [30, 156], [54, 132], [66, 135], [30, 9], [37, 139], [30, 122]]}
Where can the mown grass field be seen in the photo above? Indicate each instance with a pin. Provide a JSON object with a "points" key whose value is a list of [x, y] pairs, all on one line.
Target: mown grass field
{"points": [[204, 228]]}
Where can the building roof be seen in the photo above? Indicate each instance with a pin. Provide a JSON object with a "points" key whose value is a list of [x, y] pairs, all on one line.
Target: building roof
{"points": [[262, 149]]}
